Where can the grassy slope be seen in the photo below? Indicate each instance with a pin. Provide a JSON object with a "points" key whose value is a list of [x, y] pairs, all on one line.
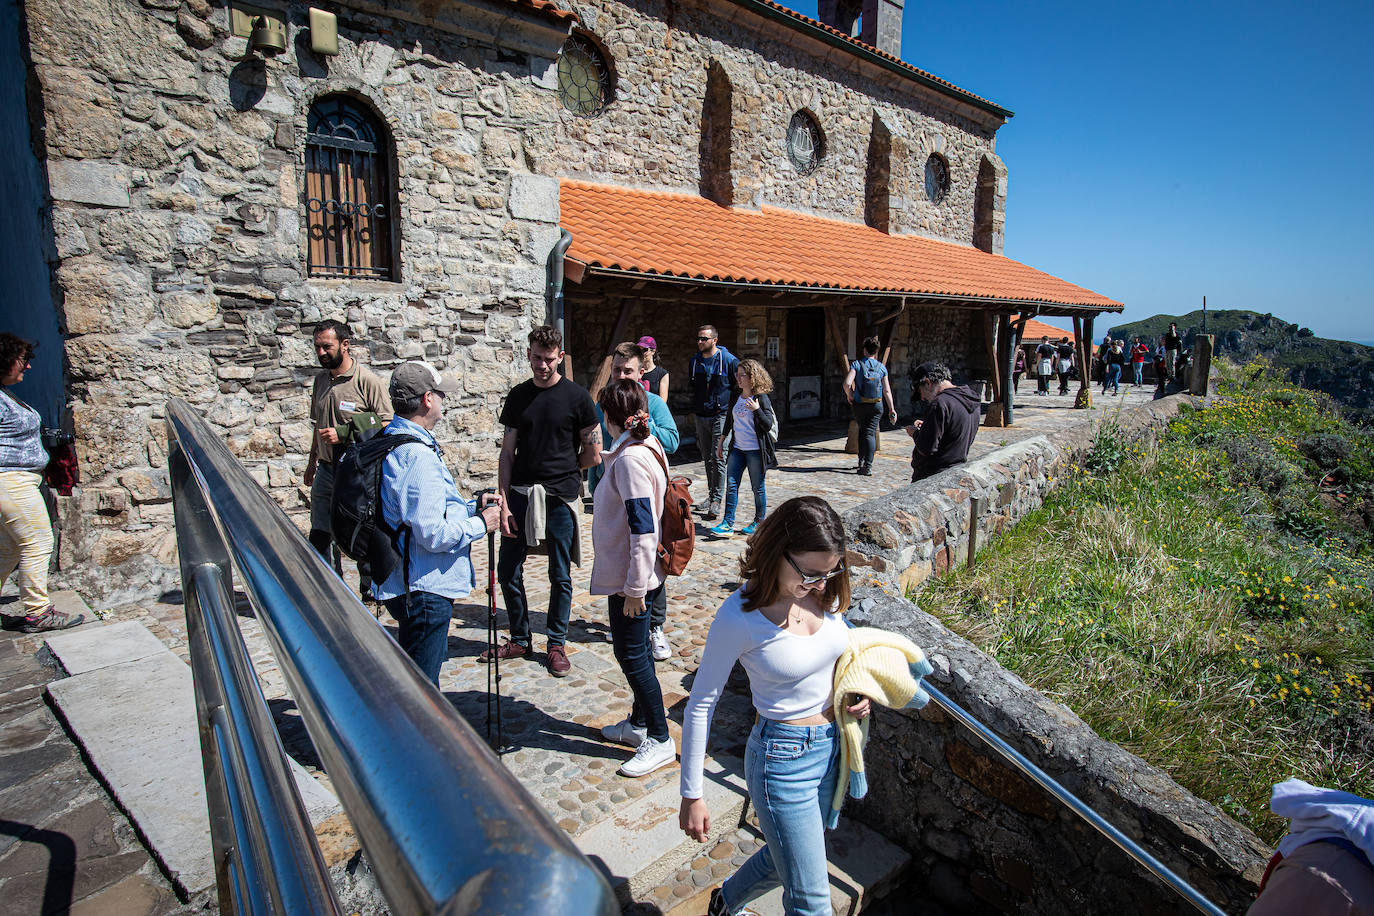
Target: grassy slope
{"points": [[1195, 612]]}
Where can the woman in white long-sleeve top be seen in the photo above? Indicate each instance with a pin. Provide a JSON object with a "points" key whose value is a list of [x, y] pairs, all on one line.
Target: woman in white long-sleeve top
{"points": [[625, 520], [784, 625]]}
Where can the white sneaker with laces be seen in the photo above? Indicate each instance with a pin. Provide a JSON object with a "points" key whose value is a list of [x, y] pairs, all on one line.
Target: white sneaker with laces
{"points": [[650, 756], [658, 642], [623, 732]]}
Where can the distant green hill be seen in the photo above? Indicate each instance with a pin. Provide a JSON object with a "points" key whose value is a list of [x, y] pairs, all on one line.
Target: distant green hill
{"points": [[1342, 369]]}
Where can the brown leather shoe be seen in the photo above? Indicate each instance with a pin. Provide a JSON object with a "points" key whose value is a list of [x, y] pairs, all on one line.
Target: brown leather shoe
{"points": [[504, 651], [559, 666]]}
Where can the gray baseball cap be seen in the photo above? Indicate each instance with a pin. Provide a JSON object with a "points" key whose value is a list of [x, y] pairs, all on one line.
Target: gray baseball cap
{"points": [[412, 379]]}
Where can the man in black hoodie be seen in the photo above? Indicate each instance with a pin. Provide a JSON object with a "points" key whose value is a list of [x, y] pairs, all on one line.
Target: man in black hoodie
{"points": [[951, 421]]}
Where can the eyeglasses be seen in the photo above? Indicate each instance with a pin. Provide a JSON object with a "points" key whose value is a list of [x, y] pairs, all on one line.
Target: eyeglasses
{"points": [[815, 580], [705, 338]]}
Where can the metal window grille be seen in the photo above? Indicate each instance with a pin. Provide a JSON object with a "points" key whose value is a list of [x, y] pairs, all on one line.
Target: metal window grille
{"points": [[937, 178], [347, 193], [805, 143]]}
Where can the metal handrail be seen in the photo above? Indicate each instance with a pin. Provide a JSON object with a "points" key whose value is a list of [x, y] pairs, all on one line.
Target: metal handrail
{"points": [[1047, 782], [445, 827]]}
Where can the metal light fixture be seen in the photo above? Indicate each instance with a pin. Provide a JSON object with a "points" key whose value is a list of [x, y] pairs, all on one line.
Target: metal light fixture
{"points": [[268, 36]]}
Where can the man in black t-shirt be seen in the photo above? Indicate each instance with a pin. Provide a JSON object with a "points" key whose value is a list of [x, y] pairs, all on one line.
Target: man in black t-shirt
{"points": [[1173, 346], [551, 435], [1044, 365]]}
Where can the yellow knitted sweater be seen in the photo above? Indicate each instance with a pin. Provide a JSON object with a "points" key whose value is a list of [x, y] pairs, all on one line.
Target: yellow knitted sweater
{"points": [[887, 668]]}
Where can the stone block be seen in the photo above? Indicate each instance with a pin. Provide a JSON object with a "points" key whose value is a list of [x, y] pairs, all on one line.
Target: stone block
{"points": [[87, 181], [183, 309], [89, 648], [534, 197], [147, 486], [104, 295]]}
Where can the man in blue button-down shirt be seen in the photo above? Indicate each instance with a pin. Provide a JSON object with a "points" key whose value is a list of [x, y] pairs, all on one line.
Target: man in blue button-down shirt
{"points": [[437, 525]]}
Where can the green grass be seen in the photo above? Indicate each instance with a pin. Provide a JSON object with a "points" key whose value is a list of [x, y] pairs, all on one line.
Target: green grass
{"points": [[1203, 602]]}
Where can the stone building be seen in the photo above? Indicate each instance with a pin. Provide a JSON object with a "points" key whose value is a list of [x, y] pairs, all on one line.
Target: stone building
{"points": [[212, 178]]}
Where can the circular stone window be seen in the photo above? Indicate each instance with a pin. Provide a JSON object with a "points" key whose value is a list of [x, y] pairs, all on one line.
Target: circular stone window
{"points": [[805, 143], [584, 78], [937, 178]]}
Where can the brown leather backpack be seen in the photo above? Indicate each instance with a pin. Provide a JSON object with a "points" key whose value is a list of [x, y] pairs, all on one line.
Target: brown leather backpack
{"points": [[677, 533]]}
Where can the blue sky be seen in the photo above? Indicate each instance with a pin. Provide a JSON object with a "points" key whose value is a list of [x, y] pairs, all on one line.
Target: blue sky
{"points": [[1162, 152]]}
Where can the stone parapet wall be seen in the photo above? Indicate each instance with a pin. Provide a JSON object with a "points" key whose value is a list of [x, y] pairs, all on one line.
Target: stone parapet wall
{"points": [[985, 837]]}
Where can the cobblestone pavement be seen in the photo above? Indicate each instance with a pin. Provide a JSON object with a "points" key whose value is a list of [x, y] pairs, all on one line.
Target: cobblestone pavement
{"points": [[553, 725]]}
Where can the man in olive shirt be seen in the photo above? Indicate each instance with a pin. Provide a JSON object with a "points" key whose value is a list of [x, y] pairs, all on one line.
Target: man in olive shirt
{"points": [[342, 392]]}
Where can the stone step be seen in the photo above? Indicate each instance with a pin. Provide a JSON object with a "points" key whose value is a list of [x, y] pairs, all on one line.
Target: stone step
{"points": [[131, 707], [864, 867], [641, 847]]}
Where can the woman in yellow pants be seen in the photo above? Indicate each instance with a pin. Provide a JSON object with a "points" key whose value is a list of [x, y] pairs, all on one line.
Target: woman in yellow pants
{"points": [[25, 532]]}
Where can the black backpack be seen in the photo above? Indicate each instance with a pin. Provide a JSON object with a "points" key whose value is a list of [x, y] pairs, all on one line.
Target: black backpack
{"points": [[355, 508]]}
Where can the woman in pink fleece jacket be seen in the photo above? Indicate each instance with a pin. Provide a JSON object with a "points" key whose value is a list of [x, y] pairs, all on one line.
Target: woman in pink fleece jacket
{"points": [[625, 518]]}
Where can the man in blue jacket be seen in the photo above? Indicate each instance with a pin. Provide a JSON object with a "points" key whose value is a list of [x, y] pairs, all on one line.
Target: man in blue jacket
{"points": [[712, 373], [437, 525], [628, 362]]}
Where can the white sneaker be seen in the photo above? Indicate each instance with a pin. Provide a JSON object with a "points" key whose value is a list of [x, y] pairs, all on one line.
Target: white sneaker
{"points": [[624, 733], [650, 756], [658, 642]]}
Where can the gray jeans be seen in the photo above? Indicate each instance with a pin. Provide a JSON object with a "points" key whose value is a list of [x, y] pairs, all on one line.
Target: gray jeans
{"points": [[710, 430]]}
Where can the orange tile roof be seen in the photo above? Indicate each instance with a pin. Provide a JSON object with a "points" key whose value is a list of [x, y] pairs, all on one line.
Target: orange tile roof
{"points": [[921, 75], [689, 237], [1038, 329], [548, 8]]}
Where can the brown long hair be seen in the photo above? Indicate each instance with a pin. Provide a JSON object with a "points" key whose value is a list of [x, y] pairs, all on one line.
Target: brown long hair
{"points": [[800, 525]]}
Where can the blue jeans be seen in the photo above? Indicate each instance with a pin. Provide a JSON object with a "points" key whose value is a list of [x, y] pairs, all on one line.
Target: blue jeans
{"points": [[791, 772], [739, 460], [1113, 379], [630, 641], [711, 430], [1139, 370], [423, 630], [867, 416], [559, 529]]}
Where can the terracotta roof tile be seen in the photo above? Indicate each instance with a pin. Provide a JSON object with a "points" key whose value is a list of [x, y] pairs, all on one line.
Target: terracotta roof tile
{"points": [[548, 8], [685, 236], [1038, 329]]}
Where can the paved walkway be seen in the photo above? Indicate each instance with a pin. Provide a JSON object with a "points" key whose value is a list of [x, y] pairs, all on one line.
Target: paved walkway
{"points": [[554, 724]]}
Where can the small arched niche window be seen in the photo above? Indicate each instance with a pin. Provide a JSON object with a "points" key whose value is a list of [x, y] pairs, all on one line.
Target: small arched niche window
{"points": [[586, 81], [805, 142], [349, 204], [937, 178]]}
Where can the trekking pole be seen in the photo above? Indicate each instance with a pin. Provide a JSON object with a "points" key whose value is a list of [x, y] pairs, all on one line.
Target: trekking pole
{"points": [[493, 653]]}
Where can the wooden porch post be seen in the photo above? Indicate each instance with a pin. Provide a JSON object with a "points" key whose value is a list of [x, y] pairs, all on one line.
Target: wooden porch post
{"points": [[996, 409], [1083, 330], [603, 372], [832, 325]]}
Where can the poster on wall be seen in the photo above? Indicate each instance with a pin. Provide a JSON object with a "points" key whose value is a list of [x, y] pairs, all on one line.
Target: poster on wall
{"points": [[804, 397]]}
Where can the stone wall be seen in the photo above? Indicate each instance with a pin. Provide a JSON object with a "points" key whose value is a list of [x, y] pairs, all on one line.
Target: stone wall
{"points": [[985, 838], [176, 166], [650, 136]]}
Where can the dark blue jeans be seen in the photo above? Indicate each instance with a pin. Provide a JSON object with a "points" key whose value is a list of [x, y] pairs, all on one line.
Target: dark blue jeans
{"points": [[630, 641], [423, 631], [559, 528], [868, 417]]}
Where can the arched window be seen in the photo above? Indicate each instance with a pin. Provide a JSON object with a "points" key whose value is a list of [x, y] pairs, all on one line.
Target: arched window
{"points": [[586, 80], [937, 178], [805, 142], [878, 177], [717, 113], [349, 203], [985, 208]]}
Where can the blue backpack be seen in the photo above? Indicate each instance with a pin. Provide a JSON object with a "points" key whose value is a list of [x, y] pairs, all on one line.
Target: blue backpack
{"points": [[870, 379]]}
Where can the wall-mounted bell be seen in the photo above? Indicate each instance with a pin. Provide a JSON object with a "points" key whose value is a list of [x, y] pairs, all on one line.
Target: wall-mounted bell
{"points": [[268, 36]]}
